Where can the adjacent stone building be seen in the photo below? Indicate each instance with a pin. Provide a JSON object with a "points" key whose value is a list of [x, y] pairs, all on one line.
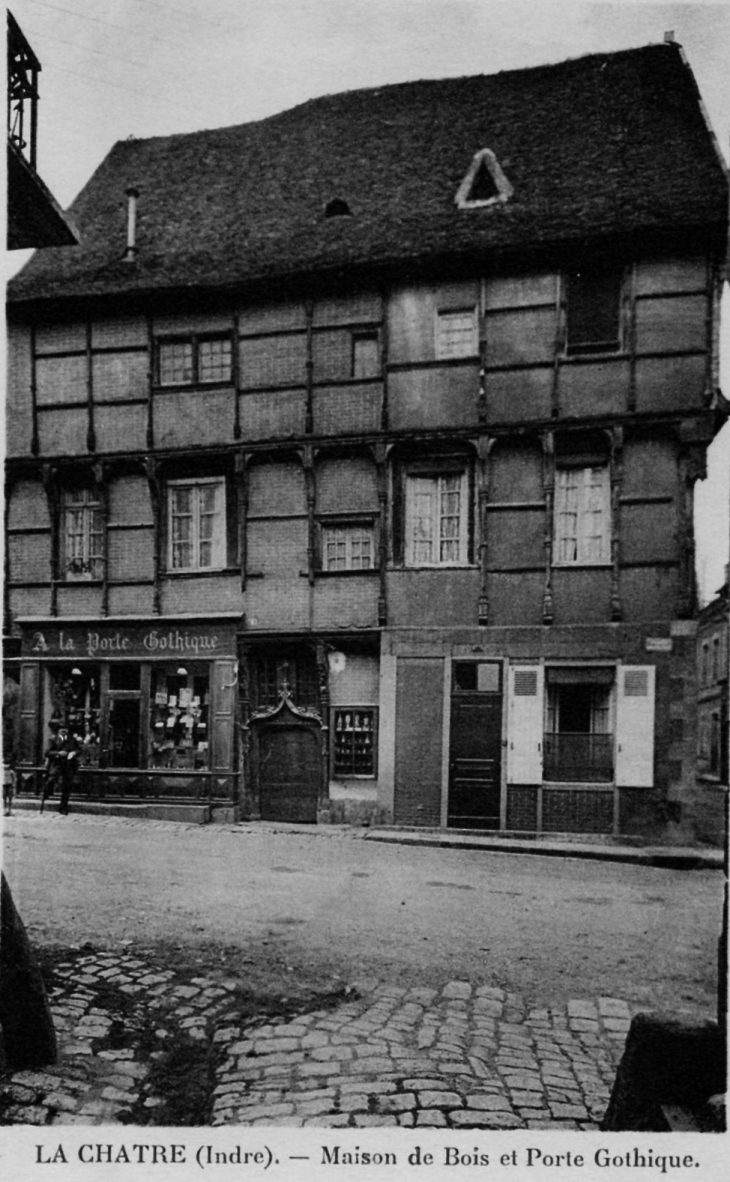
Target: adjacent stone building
{"points": [[351, 456]]}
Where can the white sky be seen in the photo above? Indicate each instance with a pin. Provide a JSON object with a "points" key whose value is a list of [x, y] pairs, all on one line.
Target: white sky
{"points": [[115, 68]]}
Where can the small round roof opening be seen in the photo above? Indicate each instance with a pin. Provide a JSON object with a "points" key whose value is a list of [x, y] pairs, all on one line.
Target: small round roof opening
{"points": [[337, 208]]}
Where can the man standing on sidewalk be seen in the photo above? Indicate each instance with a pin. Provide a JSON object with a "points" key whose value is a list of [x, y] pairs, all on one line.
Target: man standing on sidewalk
{"points": [[61, 762]]}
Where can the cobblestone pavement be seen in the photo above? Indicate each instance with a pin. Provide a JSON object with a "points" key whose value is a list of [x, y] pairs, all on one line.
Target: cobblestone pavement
{"points": [[377, 1055]]}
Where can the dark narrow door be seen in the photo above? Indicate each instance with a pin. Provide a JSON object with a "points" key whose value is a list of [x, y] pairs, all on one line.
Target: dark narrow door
{"points": [[475, 753], [290, 770], [124, 721]]}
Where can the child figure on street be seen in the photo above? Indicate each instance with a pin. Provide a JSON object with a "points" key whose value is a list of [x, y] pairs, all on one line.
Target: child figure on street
{"points": [[8, 788]]}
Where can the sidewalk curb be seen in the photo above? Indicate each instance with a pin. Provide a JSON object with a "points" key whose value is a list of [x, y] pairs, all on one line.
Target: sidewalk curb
{"points": [[665, 857], [662, 857]]}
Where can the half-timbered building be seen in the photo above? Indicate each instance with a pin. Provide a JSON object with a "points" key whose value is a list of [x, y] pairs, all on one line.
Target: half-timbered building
{"points": [[351, 456]]}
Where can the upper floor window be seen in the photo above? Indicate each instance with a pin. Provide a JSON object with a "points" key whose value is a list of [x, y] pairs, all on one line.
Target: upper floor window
{"points": [[437, 519], [196, 524], [582, 516], [83, 534], [594, 309], [348, 547], [192, 360], [365, 355], [456, 333]]}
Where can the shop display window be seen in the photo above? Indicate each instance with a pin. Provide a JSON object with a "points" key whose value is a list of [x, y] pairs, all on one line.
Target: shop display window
{"points": [[354, 733], [179, 717], [74, 702]]}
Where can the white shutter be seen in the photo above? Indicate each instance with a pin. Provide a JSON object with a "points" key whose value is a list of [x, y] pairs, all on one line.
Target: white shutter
{"points": [[635, 727], [525, 724]]}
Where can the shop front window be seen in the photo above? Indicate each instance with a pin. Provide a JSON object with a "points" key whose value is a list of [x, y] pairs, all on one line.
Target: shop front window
{"points": [[354, 745], [179, 717], [74, 703]]}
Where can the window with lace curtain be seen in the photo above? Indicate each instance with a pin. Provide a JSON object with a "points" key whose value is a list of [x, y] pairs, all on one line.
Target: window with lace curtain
{"points": [[437, 519], [582, 516], [83, 534], [196, 525]]}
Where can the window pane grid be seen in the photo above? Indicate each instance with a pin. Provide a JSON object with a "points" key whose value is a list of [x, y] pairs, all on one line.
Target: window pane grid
{"points": [[196, 526], [84, 534], [347, 548], [450, 524], [214, 360], [582, 515], [176, 363], [436, 520]]}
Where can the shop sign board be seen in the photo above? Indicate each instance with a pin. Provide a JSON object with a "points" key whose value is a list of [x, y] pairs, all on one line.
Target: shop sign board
{"points": [[142, 642]]}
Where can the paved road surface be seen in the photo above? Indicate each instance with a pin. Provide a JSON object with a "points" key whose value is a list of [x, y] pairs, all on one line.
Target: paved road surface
{"points": [[330, 902]]}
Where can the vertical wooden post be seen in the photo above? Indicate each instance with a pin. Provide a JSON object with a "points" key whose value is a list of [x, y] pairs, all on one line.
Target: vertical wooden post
{"points": [[381, 473], [34, 439], [548, 480], [49, 475], [7, 615], [101, 473], [309, 367], [617, 442], [483, 448], [560, 336], [692, 467], [310, 493], [324, 702], [242, 460], [235, 368], [90, 431], [153, 480], [629, 328], [482, 395], [151, 364], [384, 360]]}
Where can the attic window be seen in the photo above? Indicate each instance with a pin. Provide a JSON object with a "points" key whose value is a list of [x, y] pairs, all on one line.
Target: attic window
{"points": [[337, 208], [484, 184]]}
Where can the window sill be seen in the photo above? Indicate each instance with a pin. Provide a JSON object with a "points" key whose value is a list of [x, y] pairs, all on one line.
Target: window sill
{"points": [[173, 388], [79, 582], [440, 566], [338, 574], [203, 572], [605, 565], [594, 353], [581, 785]]}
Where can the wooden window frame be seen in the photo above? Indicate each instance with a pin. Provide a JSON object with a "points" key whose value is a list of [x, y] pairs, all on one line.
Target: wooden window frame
{"points": [[437, 474], [593, 274], [441, 317], [90, 564], [357, 337], [347, 524], [219, 543], [582, 513], [195, 341]]}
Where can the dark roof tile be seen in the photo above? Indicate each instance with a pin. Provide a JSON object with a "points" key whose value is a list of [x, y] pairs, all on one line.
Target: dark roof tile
{"points": [[599, 145]]}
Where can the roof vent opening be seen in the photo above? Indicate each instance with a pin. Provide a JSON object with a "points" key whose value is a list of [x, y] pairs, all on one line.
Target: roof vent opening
{"points": [[483, 187], [337, 208], [484, 184]]}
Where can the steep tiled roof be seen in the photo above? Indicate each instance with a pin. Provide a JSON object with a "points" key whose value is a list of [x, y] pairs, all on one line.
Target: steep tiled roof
{"points": [[599, 145]]}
